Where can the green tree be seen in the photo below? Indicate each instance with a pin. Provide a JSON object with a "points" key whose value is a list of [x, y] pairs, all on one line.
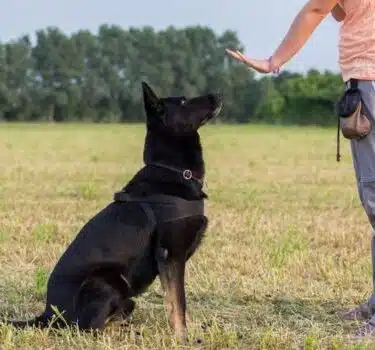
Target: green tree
{"points": [[97, 77]]}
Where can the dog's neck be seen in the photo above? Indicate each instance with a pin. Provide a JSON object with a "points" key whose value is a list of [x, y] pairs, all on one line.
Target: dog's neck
{"points": [[186, 174], [175, 152], [151, 180], [168, 162]]}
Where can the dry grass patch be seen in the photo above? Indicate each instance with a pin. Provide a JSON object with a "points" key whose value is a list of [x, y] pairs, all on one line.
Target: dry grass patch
{"points": [[287, 245]]}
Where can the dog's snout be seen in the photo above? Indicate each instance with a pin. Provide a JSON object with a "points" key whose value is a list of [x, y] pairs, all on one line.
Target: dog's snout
{"points": [[215, 99]]}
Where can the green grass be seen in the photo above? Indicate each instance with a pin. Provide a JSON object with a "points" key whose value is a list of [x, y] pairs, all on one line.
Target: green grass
{"points": [[288, 243]]}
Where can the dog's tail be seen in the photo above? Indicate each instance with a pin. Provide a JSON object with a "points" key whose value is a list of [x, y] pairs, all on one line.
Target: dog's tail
{"points": [[41, 321]]}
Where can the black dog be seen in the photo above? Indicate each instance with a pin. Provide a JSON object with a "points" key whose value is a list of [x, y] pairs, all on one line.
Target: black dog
{"points": [[152, 227]]}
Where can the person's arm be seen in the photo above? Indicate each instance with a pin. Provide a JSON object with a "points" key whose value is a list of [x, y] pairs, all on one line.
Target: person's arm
{"points": [[338, 13], [300, 31]]}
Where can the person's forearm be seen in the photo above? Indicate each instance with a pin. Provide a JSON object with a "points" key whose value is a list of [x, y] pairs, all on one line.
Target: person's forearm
{"points": [[300, 31]]}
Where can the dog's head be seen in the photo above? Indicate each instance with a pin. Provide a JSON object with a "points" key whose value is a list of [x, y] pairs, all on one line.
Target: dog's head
{"points": [[179, 115], [172, 129]]}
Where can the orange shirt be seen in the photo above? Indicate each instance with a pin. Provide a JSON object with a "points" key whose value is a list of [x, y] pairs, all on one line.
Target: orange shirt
{"points": [[357, 40]]}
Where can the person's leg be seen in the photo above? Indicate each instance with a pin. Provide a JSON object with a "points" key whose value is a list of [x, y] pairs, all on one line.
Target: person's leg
{"points": [[363, 152], [365, 310]]}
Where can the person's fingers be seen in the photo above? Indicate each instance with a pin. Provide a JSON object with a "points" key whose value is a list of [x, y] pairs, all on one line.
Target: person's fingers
{"points": [[242, 56], [237, 54], [231, 52], [261, 66], [234, 54], [250, 61]]}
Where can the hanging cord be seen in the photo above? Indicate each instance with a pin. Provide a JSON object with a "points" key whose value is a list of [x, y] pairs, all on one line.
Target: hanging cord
{"points": [[338, 155]]}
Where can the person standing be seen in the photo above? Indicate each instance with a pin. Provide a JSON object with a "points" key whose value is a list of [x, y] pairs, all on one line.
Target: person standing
{"points": [[357, 64]]}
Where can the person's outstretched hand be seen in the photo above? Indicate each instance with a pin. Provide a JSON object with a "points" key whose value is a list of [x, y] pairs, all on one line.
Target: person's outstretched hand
{"points": [[261, 66]]}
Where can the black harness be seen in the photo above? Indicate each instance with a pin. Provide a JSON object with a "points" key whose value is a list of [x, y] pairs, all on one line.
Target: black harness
{"points": [[161, 208]]}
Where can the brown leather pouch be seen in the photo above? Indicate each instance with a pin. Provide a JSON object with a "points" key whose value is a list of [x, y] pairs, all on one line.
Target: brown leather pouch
{"points": [[354, 124]]}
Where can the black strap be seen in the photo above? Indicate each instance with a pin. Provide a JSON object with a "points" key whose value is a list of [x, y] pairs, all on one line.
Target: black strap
{"points": [[352, 84], [165, 208], [166, 174], [338, 155], [186, 174]]}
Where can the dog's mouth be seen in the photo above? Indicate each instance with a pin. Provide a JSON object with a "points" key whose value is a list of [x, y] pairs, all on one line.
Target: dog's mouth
{"points": [[217, 102], [217, 109]]}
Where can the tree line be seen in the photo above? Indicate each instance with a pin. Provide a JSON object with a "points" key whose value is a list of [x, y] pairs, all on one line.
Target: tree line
{"points": [[97, 77]]}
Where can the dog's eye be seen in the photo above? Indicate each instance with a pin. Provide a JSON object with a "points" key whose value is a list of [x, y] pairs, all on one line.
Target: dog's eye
{"points": [[183, 101]]}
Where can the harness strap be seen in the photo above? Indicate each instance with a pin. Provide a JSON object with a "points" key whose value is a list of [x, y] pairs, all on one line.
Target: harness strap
{"points": [[165, 208], [150, 213]]}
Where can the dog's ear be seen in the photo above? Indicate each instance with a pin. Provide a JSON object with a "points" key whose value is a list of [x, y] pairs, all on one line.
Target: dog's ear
{"points": [[150, 99]]}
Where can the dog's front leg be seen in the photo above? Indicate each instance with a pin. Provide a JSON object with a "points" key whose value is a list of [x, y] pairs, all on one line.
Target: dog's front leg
{"points": [[172, 277]]}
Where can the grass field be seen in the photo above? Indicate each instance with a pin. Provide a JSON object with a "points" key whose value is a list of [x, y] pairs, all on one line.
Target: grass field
{"points": [[288, 243]]}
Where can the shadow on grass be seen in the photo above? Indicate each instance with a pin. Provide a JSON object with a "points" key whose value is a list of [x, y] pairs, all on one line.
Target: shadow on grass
{"points": [[246, 312], [245, 318]]}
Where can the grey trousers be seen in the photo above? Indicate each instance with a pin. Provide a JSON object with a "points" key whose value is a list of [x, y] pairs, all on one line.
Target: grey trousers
{"points": [[363, 155]]}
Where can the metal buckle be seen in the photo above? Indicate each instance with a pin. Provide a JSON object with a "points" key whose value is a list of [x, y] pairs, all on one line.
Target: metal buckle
{"points": [[187, 174]]}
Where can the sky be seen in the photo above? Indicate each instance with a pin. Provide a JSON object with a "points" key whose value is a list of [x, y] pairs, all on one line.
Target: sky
{"points": [[260, 25]]}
